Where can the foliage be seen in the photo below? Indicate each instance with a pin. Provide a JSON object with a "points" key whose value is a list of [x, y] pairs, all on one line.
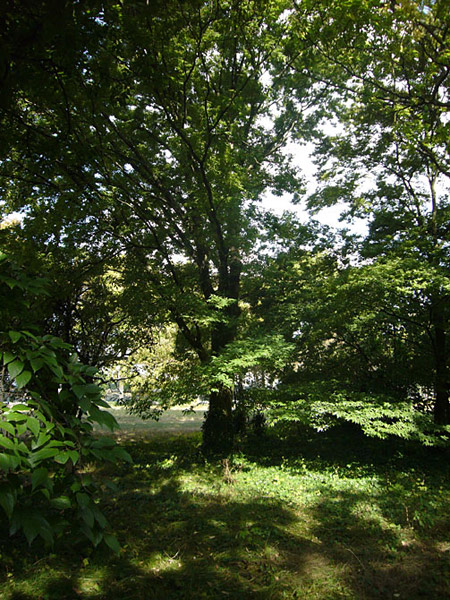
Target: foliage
{"points": [[382, 149], [166, 152], [380, 416], [48, 406], [160, 376], [152, 130], [362, 339]]}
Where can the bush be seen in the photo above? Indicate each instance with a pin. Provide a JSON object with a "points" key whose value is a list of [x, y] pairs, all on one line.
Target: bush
{"points": [[48, 405]]}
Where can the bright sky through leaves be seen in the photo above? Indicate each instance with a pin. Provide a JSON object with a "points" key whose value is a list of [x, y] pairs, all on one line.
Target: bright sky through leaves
{"points": [[329, 216]]}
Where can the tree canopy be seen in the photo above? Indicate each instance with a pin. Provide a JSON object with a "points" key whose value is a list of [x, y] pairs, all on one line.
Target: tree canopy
{"points": [[137, 142]]}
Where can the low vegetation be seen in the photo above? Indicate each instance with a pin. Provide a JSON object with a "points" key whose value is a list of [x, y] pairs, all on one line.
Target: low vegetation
{"points": [[293, 514]]}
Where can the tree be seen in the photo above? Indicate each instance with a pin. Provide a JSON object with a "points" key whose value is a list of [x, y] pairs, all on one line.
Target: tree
{"points": [[358, 337], [388, 66], [156, 138]]}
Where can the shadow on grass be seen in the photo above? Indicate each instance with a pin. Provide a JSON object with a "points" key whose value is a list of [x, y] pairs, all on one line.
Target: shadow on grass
{"points": [[204, 549], [392, 540], [342, 445], [382, 558], [187, 533]]}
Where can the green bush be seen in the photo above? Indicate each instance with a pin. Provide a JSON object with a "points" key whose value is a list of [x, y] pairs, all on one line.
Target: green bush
{"points": [[48, 405]]}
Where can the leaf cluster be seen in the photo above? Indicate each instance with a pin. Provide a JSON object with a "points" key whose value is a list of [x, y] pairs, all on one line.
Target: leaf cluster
{"points": [[48, 407]]}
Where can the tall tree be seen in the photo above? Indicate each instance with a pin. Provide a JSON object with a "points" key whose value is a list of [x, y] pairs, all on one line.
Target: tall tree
{"points": [[157, 140], [388, 66]]}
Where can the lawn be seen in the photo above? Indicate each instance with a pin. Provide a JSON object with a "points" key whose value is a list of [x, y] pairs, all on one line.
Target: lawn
{"points": [[177, 420], [292, 515]]}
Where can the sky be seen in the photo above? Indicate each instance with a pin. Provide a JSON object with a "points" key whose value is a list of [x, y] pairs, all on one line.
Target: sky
{"points": [[328, 216]]}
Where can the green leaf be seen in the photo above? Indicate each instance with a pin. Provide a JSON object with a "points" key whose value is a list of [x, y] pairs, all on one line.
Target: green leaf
{"points": [[86, 479], [45, 492], [61, 503], [15, 417], [42, 439], [74, 456], [122, 454], [22, 428], [18, 407], [87, 530], [90, 371], [44, 453], [15, 336], [15, 368], [30, 335], [33, 425], [39, 477], [8, 357], [45, 531], [104, 442], [102, 417], [88, 516], [83, 499], [62, 458], [57, 370], [111, 541], [23, 379], [100, 518], [85, 404], [9, 427], [7, 502], [79, 390], [98, 536], [36, 364], [7, 443], [8, 462], [31, 527]]}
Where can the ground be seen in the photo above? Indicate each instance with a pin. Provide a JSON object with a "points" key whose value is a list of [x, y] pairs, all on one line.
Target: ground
{"points": [[291, 515]]}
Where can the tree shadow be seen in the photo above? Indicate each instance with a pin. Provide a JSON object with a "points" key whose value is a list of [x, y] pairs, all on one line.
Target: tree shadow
{"points": [[200, 549], [391, 541], [177, 543], [186, 535], [383, 558]]}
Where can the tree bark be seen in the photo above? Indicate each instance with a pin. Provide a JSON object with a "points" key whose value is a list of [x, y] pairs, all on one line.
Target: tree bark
{"points": [[218, 431], [218, 424]]}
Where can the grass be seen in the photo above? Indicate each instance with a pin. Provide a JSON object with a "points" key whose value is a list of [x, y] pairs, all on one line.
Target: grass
{"points": [[298, 515], [176, 420]]}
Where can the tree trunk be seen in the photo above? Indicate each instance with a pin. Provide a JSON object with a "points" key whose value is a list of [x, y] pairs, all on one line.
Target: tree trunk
{"points": [[218, 424], [218, 428]]}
